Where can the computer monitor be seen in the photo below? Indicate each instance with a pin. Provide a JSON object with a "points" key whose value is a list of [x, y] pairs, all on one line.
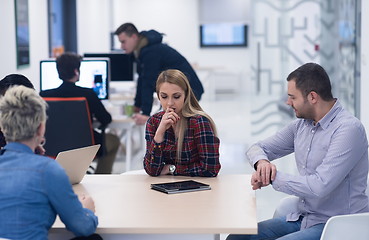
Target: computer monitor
{"points": [[121, 65], [94, 74], [223, 35]]}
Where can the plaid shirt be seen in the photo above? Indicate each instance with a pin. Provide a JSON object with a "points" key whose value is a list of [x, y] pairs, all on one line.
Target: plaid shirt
{"points": [[200, 151]]}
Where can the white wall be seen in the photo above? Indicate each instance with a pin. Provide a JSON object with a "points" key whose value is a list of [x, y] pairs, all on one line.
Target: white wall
{"points": [[93, 26], [38, 39], [7, 46], [364, 110], [178, 19]]}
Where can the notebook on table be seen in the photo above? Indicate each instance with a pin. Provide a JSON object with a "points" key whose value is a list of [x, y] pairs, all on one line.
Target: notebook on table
{"points": [[76, 161], [180, 186]]}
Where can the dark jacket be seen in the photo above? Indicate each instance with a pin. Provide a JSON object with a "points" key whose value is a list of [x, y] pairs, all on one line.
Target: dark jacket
{"points": [[154, 58]]}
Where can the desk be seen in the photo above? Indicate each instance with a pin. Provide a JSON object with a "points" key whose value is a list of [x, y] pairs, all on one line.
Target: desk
{"points": [[126, 204], [124, 125]]}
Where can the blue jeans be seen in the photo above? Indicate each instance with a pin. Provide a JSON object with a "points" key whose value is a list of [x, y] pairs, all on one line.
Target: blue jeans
{"points": [[279, 228]]}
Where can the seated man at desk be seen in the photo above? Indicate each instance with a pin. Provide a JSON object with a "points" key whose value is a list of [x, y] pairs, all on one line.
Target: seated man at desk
{"points": [[181, 139], [68, 65]]}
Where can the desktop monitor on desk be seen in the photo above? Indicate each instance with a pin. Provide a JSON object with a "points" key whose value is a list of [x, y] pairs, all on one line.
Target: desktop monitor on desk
{"points": [[121, 65], [94, 74]]}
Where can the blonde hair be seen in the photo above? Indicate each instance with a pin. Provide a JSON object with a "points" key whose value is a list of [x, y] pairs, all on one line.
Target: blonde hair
{"points": [[191, 106], [22, 111]]}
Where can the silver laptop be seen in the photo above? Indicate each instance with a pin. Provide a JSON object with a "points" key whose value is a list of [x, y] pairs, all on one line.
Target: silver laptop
{"points": [[76, 161]]}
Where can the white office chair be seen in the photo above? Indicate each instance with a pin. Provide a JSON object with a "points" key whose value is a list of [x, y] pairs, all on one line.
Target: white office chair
{"points": [[351, 226]]}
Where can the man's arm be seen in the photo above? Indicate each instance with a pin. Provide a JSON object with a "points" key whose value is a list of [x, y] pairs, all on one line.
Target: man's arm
{"points": [[98, 110], [140, 119], [348, 147], [261, 153], [137, 103], [149, 72], [276, 146]]}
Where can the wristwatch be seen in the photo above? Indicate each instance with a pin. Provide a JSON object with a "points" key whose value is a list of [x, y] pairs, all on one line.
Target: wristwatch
{"points": [[172, 168]]}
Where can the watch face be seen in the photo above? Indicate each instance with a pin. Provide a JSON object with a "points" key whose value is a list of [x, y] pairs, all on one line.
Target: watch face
{"points": [[172, 168]]}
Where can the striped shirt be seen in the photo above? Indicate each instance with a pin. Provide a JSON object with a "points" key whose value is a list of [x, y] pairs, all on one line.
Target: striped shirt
{"points": [[332, 161], [200, 151]]}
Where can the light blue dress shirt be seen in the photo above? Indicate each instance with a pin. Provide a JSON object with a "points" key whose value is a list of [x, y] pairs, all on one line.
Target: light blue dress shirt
{"points": [[33, 190], [332, 161]]}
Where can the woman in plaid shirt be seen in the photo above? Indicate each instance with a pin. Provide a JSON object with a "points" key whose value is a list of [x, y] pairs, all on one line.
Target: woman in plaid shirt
{"points": [[181, 139]]}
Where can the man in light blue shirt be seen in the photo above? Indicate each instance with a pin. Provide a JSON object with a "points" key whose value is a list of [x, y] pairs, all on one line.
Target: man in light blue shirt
{"points": [[331, 152]]}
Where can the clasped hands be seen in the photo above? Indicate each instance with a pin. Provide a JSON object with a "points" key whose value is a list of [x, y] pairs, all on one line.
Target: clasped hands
{"points": [[169, 119], [265, 173]]}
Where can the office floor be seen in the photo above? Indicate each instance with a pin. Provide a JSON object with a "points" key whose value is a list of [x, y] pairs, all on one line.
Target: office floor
{"points": [[241, 120]]}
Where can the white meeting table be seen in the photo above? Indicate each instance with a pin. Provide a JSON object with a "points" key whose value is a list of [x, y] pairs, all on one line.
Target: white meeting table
{"points": [[125, 204]]}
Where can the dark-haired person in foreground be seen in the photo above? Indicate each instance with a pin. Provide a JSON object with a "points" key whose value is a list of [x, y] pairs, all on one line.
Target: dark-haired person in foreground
{"points": [[14, 79], [5, 84], [34, 189], [331, 153]]}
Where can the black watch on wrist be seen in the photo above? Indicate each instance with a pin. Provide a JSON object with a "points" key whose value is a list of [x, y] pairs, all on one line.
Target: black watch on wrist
{"points": [[172, 169]]}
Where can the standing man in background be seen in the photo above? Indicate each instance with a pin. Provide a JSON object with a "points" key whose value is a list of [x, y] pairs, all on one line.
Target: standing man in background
{"points": [[152, 57]]}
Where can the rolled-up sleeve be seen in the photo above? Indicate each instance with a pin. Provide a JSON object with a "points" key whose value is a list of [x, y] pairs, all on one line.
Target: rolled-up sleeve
{"points": [[81, 221]]}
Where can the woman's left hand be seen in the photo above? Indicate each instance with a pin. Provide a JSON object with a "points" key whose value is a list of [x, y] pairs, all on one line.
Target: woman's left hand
{"points": [[165, 170]]}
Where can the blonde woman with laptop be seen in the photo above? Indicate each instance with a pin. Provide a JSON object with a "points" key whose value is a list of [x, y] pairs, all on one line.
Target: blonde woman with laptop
{"points": [[34, 188]]}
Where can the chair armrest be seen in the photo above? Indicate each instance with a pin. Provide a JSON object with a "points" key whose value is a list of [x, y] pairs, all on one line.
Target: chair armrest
{"points": [[286, 205]]}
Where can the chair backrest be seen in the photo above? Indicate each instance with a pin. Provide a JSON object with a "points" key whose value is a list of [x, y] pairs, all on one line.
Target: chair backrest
{"points": [[350, 226], [68, 125]]}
